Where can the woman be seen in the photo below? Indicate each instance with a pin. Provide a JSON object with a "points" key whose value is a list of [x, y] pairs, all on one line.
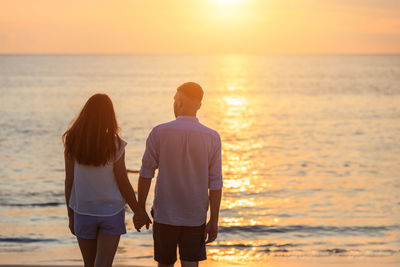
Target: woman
{"points": [[96, 182]]}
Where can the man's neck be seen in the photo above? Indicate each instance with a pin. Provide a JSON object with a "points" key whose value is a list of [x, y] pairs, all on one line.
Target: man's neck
{"points": [[191, 114]]}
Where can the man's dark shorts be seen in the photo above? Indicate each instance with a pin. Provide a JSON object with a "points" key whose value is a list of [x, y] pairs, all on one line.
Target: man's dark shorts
{"points": [[190, 240]]}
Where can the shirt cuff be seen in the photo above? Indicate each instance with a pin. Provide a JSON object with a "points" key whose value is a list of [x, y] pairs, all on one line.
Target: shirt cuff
{"points": [[215, 184], [146, 173]]}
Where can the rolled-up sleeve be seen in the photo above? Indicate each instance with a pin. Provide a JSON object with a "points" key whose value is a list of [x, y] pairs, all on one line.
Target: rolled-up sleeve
{"points": [[215, 166], [150, 156]]}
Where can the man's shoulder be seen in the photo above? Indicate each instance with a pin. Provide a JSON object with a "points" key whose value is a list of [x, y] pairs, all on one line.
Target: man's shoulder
{"points": [[163, 125], [210, 131], [174, 124]]}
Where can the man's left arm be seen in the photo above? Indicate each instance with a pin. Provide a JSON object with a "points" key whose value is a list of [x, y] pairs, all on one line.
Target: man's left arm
{"points": [[215, 192], [212, 225]]}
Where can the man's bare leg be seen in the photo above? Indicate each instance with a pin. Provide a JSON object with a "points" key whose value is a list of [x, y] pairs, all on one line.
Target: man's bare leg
{"points": [[189, 263]]}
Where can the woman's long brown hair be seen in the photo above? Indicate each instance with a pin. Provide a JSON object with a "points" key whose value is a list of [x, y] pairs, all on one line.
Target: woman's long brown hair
{"points": [[91, 139]]}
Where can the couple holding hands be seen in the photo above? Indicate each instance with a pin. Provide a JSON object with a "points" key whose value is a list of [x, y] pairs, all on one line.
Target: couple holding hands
{"points": [[187, 155]]}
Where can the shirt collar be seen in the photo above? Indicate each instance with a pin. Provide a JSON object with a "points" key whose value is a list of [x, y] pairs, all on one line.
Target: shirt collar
{"points": [[188, 118]]}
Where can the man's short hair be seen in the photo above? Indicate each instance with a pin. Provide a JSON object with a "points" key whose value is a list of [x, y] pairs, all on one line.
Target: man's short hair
{"points": [[191, 90]]}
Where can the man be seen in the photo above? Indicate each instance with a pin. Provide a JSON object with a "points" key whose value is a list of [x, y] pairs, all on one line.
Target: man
{"points": [[188, 157]]}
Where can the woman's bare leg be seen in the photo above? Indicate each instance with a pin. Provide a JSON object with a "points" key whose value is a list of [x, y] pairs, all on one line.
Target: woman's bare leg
{"points": [[106, 248], [88, 249]]}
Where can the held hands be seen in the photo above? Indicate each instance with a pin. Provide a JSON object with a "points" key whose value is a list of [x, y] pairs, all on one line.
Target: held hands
{"points": [[211, 231], [140, 219]]}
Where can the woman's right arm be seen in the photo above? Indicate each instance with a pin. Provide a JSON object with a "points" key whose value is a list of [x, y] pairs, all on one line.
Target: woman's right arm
{"points": [[69, 180], [127, 191]]}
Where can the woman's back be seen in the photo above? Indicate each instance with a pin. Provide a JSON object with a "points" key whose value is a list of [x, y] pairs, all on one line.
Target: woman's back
{"points": [[95, 190]]}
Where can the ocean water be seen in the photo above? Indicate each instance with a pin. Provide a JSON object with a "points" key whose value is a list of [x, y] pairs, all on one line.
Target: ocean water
{"points": [[311, 150]]}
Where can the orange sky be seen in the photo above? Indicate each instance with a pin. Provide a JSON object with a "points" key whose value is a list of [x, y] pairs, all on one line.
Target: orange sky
{"points": [[200, 26]]}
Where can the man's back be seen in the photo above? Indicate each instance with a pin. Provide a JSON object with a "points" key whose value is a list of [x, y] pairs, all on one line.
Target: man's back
{"points": [[188, 156]]}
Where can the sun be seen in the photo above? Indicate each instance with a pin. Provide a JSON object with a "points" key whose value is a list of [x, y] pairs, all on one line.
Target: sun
{"points": [[228, 11], [228, 2]]}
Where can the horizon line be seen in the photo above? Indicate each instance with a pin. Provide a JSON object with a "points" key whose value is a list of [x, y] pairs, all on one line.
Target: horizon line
{"points": [[199, 54]]}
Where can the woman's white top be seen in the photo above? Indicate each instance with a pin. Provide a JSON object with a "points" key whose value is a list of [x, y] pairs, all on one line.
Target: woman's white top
{"points": [[95, 190]]}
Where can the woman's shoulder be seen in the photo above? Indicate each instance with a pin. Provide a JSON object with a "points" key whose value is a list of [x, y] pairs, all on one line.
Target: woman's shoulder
{"points": [[120, 145]]}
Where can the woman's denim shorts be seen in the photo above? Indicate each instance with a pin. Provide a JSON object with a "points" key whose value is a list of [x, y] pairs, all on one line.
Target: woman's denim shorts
{"points": [[87, 227]]}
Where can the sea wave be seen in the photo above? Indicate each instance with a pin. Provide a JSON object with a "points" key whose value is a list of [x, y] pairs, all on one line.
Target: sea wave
{"points": [[317, 230], [46, 204], [25, 240]]}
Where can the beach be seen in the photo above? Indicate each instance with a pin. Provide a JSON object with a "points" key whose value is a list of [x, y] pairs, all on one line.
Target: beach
{"points": [[283, 262]]}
